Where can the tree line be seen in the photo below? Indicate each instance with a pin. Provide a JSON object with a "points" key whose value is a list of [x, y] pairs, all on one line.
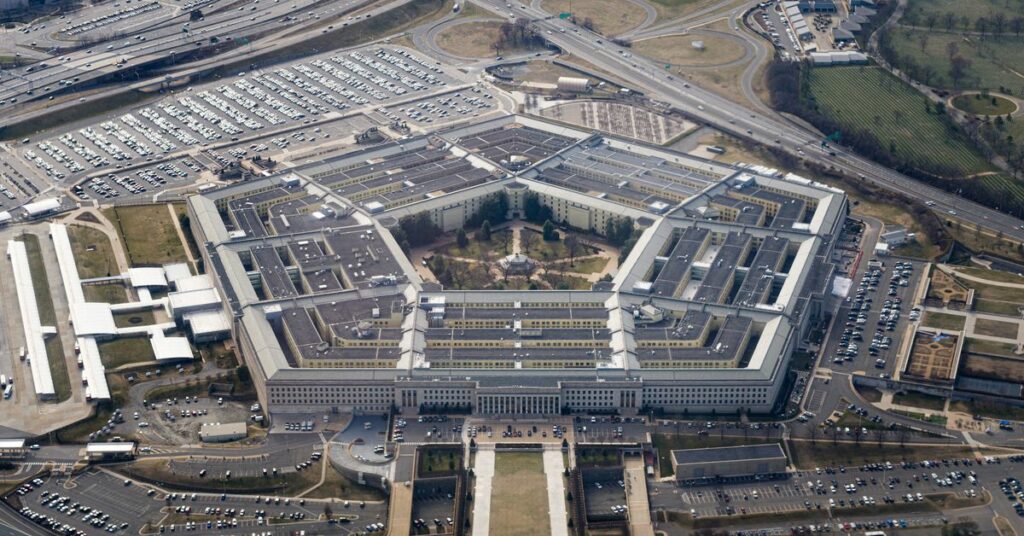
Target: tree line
{"points": [[789, 89]]}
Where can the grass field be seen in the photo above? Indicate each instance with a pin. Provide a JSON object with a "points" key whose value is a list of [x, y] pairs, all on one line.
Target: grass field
{"points": [[991, 275], [125, 350], [47, 317], [94, 255], [678, 50], [472, 40], [993, 368], [919, 400], [520, 495], [585, 266], [997, 307], [108, 293], [493, 248], [989, 347], [134, 318], [148, 233], [919, 9], [943, 321], [979, 105], [610, 17], [995, 292], [994, 61], [897, 117], [995, 328]]}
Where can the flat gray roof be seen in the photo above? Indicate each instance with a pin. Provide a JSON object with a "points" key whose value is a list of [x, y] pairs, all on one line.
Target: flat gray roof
{"points": [[767, 451]]}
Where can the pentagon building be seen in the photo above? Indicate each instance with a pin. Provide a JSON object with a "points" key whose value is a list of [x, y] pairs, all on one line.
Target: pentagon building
{"points": [[725, 282]]}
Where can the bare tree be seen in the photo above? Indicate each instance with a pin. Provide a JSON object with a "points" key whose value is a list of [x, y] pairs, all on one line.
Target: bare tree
{"points": [[506, 239], [526, 239], [879, 436], [572, 246]]}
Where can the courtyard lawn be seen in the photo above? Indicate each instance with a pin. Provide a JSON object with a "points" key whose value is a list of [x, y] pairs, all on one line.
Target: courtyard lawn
{"points": [[94, 255], [995, 328], [125, 351], [148, 233], [519, 498], [107, 293], [943, 321]]}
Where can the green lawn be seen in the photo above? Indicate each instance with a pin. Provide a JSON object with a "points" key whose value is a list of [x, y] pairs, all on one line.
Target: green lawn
{"points": [[590, 265], [991, 275], [993, 60], [148, 234], [919, 400], [943, 321], [995, 328], [867, 98], [997, 307], [133, 319], [917, 11], [520, 490], [822, 452], [47, 317], [94, 255], [989, 347], [125, 350], [979, 105], [107, 293], [995, 292], [493, 248]]}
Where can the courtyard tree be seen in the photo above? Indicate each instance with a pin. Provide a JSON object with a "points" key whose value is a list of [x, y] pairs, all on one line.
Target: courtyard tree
{"points": [[550, 233], [484, 235], [526, 239], [461, 239]]}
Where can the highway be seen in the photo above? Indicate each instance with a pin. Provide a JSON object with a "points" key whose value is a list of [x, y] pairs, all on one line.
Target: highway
{"points": [[767, 129], [159, 41]]}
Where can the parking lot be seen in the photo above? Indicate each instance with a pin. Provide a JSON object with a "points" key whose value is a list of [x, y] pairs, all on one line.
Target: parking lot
{"points": [[433, 506], [243, 106], [96, 502], [878, 308], [837, 488], [471, 102]]}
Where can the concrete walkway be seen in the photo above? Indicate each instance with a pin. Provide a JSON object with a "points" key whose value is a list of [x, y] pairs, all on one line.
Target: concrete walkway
{"points": [[483, 470], [636, 497], [553, 469]]}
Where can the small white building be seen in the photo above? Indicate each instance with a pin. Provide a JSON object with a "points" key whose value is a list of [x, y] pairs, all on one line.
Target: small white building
{"points": [[40, 208], [215, 432], [116, 450], [573, 84], [147, 278]]}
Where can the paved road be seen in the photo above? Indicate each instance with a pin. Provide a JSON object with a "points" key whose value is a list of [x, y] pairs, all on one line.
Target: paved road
{"points": [[767, 129]]}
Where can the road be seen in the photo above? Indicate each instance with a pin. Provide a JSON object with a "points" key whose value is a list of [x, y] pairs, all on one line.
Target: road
{"points": [[758, 126], [160, 41]]}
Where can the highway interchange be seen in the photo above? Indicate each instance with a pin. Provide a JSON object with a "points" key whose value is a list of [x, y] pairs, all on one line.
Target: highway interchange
{"points": [[827, 390]]}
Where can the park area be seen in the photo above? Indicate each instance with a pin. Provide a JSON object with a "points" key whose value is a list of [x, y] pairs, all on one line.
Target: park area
{"points": [[519, 499], [518, 257], [148, 233], [944, 321]]}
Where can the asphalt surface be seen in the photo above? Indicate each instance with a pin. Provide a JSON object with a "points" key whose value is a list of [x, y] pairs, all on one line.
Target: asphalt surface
{"points": [[759, 126]]}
